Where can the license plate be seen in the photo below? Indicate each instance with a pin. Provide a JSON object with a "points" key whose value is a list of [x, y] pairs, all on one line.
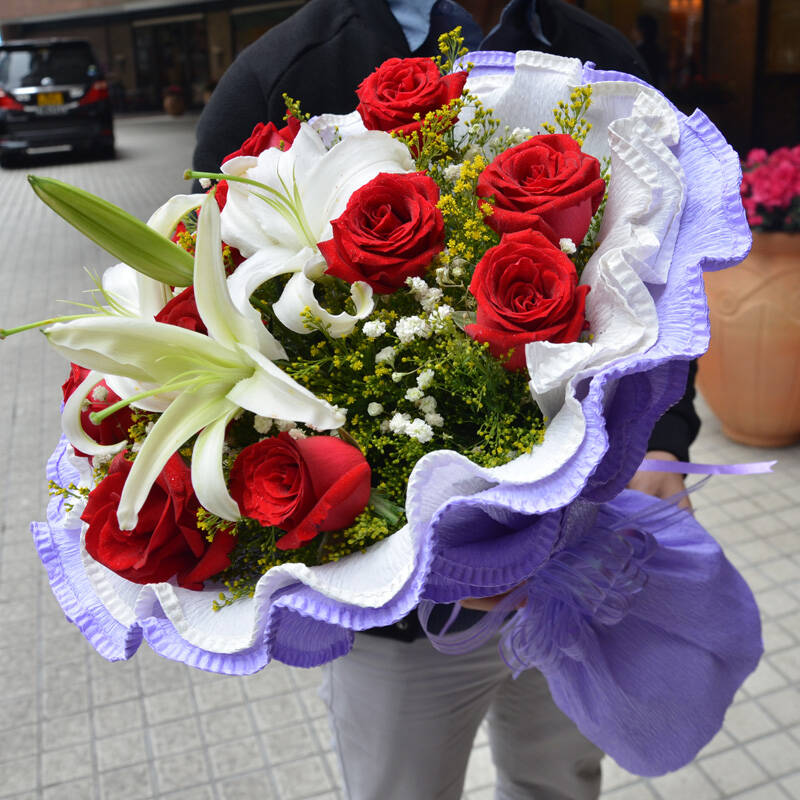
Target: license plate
{"points": [[50, 99], [54, 148]]}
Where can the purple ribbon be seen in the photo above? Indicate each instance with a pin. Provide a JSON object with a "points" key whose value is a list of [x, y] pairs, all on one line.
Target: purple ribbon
{"points": [[687, 468], [603, 572]]}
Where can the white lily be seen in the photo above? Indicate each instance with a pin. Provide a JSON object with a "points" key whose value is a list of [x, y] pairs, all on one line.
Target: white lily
{"points": [[212, 378], [135, 294], [280, 205]]}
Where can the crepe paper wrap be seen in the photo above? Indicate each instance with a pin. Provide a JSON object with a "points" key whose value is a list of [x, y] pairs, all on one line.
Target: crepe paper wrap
{"points": [[673, 210], [640, 624]]}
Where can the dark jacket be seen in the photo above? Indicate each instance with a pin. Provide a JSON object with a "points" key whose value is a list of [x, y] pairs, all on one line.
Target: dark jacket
{"points": [[320, 54]]}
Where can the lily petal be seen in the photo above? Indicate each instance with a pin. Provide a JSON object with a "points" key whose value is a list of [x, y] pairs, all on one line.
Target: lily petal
{"points": [[323, 180], [133, 293], [270, 392], [166, 218], [71, 421], [147, 351], [187, 414], [208, 478], [264, 266], [298, 295], [348, 165], [224, 321]]}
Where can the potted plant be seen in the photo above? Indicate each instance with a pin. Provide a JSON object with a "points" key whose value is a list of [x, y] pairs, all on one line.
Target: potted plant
{"points": [[174, 102], [750, 375]]}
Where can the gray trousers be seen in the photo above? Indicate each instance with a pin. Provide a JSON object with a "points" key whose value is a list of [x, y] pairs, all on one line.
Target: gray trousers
{"points": [[404, 717]]}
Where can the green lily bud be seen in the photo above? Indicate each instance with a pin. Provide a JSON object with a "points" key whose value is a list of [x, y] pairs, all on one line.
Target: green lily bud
{"points": [[127, 238]]}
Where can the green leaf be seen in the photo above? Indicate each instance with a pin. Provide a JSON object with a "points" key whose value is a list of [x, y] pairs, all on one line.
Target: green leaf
{"points": [[124, 236], [464, 318]]}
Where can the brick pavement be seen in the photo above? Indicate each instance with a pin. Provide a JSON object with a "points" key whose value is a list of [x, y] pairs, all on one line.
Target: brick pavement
{"points": [[75, 727]]}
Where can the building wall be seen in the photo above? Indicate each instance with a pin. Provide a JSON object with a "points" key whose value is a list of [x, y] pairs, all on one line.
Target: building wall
{"points": [[220, 43], [144, 51], [731, 63], [23, 9]]}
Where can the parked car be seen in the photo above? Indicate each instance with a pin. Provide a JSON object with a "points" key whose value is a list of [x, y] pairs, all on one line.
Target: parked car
{"points": [[53, 98]]}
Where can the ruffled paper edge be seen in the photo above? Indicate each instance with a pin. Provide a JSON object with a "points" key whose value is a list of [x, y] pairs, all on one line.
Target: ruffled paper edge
{"points": [[116, 641]]}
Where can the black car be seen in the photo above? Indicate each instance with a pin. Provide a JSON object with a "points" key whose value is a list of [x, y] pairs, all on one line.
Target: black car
{"points": [[52, 98]]}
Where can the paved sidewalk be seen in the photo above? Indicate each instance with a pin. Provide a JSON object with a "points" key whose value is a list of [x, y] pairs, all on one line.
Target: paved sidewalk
{"points": [[75, 727]]}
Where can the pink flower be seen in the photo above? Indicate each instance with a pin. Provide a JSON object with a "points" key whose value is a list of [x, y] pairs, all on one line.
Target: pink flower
{"points": [[756, 156], [770, 188]]}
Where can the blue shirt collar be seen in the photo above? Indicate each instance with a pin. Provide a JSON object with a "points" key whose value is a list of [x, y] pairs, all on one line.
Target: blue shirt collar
{"points": [[414, 17]]}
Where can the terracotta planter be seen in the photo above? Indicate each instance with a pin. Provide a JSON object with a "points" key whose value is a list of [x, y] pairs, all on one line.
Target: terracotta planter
{"points": [[174, 105], [750, 375]]}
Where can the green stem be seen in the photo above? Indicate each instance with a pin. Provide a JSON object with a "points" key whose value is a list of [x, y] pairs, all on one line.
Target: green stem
{"points": [[96, 417], [385, 508], [292, 209], [32, 325]]}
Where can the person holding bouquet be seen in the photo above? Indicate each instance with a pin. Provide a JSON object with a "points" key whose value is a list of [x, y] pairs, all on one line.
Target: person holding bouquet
{"points": [[403, 714]]}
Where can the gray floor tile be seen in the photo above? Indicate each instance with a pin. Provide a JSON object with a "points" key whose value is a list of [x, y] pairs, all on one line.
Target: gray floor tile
{"points": [[689, 782], [634, 791], [289, 743], [256, 785], [783, 705], [770, 791], [788, 662], [301, 779], [746, 721], [274, 712], [733, 771], [127, 783], [18, 776], [120, 750], [66, 764], [82, 789], [117, 717], [778, 754], [218, 695], [23, 741], [168, 706], [181, 771], [226, 723], [62, 731], [791, 785], [175, 737], [196, 793], [231, 758]]}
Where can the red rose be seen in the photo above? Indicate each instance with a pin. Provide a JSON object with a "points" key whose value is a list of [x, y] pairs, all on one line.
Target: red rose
{"points": [[165, 541], [402, 87], [221, 194], [263, 137], [112, 429], [303, 486], [182, 312], [390, 230], [527, 291], [546, 183]]}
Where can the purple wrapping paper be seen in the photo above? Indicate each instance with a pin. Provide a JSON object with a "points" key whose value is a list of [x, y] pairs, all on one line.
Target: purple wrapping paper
{"points": [[650, 689]]}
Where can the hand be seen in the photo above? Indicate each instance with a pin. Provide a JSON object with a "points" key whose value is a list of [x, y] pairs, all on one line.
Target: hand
{"points": [[483, 603], [660, 484]]}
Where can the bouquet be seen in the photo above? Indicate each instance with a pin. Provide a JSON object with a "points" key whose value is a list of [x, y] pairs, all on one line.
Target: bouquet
{"points": [[410, 355], [771, 189]]}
